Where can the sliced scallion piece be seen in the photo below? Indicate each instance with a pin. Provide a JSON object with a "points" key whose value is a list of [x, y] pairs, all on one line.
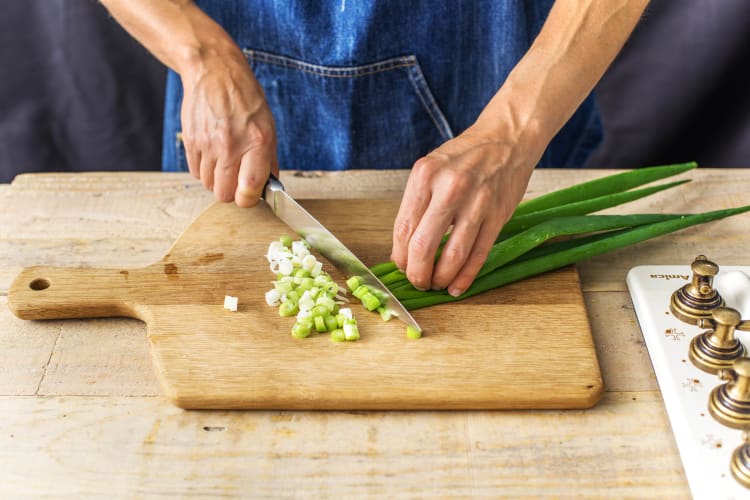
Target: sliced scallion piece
{"points": [[413, 333]]}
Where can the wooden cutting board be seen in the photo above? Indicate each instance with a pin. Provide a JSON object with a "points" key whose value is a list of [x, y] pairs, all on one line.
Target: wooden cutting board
{"points": [[526, 345]]}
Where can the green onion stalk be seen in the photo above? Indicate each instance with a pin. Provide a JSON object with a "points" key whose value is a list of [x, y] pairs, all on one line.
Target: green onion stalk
{"points": [[554, 230]]}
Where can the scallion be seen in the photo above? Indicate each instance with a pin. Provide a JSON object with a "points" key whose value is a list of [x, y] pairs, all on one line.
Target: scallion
{"points": [[528, 244]]}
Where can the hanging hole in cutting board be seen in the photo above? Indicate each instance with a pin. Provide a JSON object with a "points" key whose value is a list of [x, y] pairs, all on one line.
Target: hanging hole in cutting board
{"points": [[39, 284]]}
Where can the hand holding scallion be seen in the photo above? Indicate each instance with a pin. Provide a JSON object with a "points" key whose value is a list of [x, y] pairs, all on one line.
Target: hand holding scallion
{"points": [[471, 184]]}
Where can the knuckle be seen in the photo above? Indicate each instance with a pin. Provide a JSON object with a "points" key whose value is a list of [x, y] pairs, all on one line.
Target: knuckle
{"points": [[227, 169], [484, 193], [419, 246], [425, 168], [402, 229], [224, 144], [416, 279], [454, 255], [188, 138], [457, 189], [255, 184]]}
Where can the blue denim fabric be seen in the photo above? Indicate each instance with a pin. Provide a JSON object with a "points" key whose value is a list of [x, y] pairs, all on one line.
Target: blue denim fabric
{"points": [[379, 83]]}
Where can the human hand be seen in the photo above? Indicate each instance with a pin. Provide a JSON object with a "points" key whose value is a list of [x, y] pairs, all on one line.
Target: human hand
{"points": [[472, 183], [227, 128]]}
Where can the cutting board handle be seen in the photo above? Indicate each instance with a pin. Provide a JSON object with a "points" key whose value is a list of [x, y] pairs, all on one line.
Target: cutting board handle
{"points": [[43, 292]]}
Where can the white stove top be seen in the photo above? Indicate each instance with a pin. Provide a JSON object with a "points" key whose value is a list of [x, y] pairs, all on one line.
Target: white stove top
{"points": [[705, 445]]}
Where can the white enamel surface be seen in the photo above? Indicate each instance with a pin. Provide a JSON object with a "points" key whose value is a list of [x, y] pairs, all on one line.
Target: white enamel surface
{"points": [[734, 288], [705, 445]]}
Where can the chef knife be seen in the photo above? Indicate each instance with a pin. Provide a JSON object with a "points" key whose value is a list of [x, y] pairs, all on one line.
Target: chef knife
{"points": [[325, 243]]}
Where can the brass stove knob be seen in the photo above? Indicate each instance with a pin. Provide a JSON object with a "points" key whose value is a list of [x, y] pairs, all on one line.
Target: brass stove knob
{"points": [[740, 462], [695, 300], [730, 403], [718, 348]]}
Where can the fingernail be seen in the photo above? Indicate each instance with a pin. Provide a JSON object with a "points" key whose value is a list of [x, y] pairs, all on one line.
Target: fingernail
{"points": [[455, 292]]}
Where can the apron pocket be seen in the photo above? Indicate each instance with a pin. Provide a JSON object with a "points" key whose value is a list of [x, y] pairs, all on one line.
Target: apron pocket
{"points": [[379, 115]]}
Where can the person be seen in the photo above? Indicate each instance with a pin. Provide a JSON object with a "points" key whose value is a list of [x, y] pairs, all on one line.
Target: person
{"points": [[472, 95]]}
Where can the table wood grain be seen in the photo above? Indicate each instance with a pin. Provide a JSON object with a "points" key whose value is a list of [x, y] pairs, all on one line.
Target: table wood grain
{"points": [[82, 413]]}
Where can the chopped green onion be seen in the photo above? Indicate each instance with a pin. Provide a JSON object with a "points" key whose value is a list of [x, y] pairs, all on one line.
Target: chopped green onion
{"points": [[320, 311], [361, 291], [304, 289], [273, 297], [286, 240], [413, 333], [326, 302], [306, 302], [370, 301], [354, 282], [286, 267], [308, 262], [284, 286], [317, 269], [337, 335], [385, 314], [288, 308], [331, 322], [306, 283], [351, 332], [301, 329]]}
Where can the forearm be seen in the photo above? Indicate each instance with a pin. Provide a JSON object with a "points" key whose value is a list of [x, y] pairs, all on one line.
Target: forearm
{"points": [[177, 32], [576, 45]]}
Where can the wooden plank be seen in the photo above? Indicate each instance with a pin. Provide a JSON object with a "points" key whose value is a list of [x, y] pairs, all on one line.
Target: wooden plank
{"points": [[75, 357], [711, 189], [25, 351], [19, 253], [361, 184], [63, 446], [53, 219], [620, 347]]}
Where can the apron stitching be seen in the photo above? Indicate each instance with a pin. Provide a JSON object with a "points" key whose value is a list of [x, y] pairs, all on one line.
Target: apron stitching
{"points": [[431, 107], [332, 72]]}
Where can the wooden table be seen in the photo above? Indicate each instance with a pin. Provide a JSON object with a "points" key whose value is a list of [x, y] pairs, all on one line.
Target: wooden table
{"points": [[81, 412]]}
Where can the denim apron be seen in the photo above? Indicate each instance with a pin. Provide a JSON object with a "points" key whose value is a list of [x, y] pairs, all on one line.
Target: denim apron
{"points": [[377, 84]]}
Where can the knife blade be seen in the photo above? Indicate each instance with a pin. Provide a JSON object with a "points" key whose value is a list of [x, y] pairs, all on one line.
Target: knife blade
{"points": [[325, 243]]}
